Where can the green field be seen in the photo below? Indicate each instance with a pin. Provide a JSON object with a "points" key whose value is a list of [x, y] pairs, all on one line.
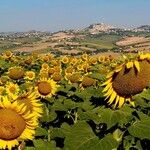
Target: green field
{"points": [[101, 42]]}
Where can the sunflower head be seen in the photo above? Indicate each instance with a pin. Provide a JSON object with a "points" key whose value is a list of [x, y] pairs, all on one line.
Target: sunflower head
{"points": [[93, 60], [12, 88], [30, 75], [16, 124], [56, 77], [45, 66], [44, 73], [69, 69], [65, 60], [88, 81], [85, 57], [15, 73], [127, 80], [46, 87], [101, 59], [4, 79], [45, 58], [51, 71], [74, 78], [8, 54], [28, 60]]}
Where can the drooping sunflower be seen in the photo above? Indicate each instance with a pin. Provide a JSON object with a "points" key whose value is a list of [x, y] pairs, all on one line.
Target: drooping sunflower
{"points": [[46, 87], [44, 73], [16, 124], [87, 81], [28, 60], [127, 80], [16, 73], [73, 78], [31, 102], [57, 77]]}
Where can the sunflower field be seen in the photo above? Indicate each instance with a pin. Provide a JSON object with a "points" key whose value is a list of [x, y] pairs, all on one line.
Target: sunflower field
{"points": [[81, 102]]}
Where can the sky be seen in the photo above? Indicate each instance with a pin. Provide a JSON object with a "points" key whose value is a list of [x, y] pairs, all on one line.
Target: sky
{"points": [[54, 15]]}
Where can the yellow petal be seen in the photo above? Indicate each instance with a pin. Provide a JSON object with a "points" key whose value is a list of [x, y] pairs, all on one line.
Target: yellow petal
{"points": [[117, 100], [137, 65], [106, 82], [121, 102], [110, 75], [109, 92], [112, 97], [129, 65], [107, 87], [118, 69]]}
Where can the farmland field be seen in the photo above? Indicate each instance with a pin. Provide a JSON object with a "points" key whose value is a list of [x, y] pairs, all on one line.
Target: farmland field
{"points": [[84, 102]]}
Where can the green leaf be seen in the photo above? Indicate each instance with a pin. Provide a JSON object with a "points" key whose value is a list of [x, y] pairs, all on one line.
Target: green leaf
{"points": [[89, 115], [40, 132], [44, 145], [57, 132], [29, 148], [140, 129], [82, 137], [145, 94], [48, 115], [112, 117]]}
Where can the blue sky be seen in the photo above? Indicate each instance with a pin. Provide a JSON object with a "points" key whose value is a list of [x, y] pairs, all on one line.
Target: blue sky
{"points": [[53, 15]]}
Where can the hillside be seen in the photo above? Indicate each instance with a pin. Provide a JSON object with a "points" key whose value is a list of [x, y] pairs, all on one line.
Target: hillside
{"points": [[94, 39]]}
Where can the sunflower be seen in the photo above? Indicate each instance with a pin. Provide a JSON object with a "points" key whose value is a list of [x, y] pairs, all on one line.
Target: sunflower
{"points": [[84, 56], [127, 80], [8, 54], [101, 59], [3, 80], [15, 73], [16, 124], [44, 73], [69, 69], [28, 60], [30, 75], [51, 71], [93, 60], [88, 81], [46, 87], [57, 77], [73, 61], [32, 103], [12, 89], [45, 58], [65, 60], [58, 68], [73, 78], [45, 66]]}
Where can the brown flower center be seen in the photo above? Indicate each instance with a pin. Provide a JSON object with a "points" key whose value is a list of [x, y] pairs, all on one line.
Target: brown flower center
{"points": [[11, 124], [44, 88], [87, 81], [12, 89], [129, 82]]}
